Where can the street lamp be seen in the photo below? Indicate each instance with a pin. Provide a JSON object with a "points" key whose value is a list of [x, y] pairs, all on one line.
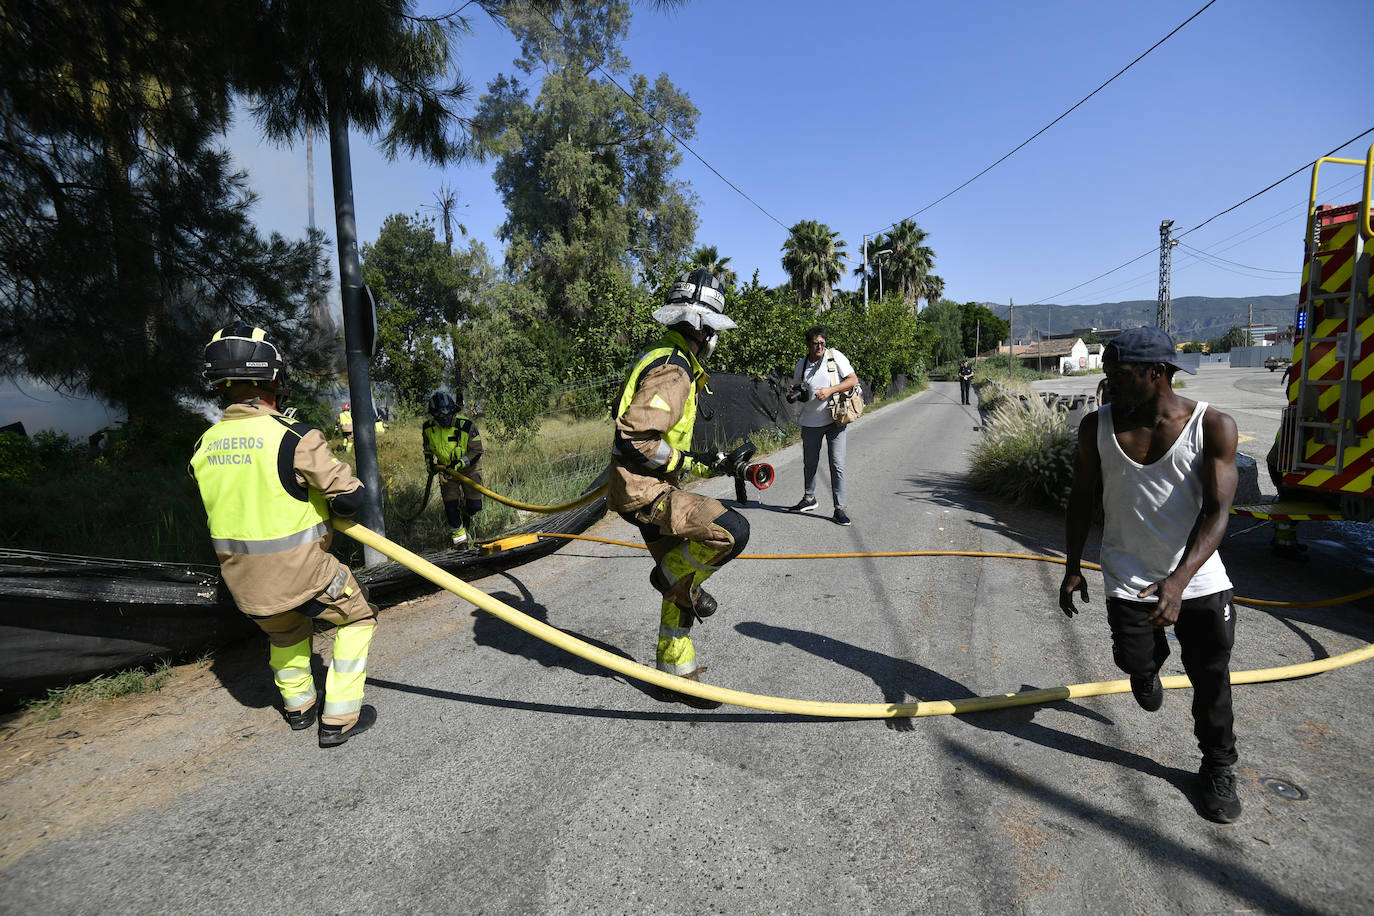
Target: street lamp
{"points": [[876, 256]]}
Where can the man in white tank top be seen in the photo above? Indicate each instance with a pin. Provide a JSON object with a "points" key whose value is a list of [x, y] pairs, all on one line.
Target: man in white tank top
{"points": [[1168, 471]]}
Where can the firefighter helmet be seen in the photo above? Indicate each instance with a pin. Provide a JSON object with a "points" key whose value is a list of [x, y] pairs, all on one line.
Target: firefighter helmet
{"points": [[242, 353], [698, 299], [442, 408]]}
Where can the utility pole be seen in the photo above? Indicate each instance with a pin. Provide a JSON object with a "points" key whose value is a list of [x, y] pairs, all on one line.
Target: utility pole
{"points": [[865, 273], [1166, 247], [977, 337], [1250, 325], [1011, 333], [360, 329], [310, 175]]}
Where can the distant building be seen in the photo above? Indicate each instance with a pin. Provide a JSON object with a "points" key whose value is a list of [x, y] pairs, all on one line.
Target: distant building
{"points": [[1058, 356]]}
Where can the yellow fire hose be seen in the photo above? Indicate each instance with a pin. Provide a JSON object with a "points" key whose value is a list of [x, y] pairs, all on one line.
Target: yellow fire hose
{"points": [[516, 504], [620, 665]]}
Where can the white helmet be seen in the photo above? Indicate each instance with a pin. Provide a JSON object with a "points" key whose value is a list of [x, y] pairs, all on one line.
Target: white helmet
{"points": [[698, 299]]}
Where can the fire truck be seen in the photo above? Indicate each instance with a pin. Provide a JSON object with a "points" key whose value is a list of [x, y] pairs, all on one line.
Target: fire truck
{"points": [[1326, 440]]}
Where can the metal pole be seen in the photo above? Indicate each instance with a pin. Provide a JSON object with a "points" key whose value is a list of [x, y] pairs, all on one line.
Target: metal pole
{"points": [[880, 280], [1011, 333], [310, 175], [358, 328], [865, 273]]}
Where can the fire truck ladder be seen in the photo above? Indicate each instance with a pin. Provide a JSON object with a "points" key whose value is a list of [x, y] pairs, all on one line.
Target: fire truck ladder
{"points": [[1307, 422]]}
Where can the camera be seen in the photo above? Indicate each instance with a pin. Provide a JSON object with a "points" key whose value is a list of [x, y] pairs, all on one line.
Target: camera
{"points": [[800, 391]]}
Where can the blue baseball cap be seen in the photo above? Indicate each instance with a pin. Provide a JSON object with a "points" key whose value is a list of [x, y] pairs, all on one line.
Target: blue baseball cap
{"points": [[1144, 345]]}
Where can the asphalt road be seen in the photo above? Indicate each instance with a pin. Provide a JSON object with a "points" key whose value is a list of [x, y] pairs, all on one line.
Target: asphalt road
{"points": [[508, 777]]}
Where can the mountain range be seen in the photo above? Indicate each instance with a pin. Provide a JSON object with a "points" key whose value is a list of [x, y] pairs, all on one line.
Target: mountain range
{"points": [[1199, 318]]}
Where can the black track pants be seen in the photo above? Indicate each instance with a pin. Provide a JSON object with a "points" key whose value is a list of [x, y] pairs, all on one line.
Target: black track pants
{"points": [[1206, 631]]}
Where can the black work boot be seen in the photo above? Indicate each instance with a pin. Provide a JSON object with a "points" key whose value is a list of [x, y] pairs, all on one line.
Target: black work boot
{"points": [[1217, 793], [1148, 691], [334, 735], [664, 695], [301, 719], [703, 604]]}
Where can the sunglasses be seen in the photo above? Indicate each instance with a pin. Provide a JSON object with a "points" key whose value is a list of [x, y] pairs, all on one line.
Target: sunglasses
{"points": [[817, 343]]}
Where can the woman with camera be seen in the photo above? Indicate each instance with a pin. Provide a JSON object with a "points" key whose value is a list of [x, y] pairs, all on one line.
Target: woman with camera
{"points": [[818, 376]]}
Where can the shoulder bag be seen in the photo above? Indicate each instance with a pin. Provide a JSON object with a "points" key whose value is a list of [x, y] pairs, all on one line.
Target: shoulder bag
{"points": [[847, 406]]}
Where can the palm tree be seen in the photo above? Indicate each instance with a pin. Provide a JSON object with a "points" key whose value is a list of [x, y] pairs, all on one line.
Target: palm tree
{"points": [[932, 289], [446, 205], [908, 265], [813, 257], [708, 257]]}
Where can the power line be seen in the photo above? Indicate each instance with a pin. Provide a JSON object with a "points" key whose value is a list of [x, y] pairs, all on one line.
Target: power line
{"points": [[1271, 187], [1230, 270], [1207, 220], [1027, 141], [1198, 252], [666, 129]]}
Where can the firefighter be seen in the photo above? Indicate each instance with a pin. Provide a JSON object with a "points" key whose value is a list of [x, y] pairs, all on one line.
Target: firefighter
{"points": [[451, 443], [269, 484], [346, 425], [689, 536]]}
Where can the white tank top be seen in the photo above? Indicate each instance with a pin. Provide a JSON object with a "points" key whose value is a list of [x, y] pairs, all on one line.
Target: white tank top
{"points": [[1150, 510]]}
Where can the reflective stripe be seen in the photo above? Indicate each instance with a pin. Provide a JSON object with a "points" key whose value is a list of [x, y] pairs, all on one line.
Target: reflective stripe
{"points": [[348, 665], [299, 700], [673, 632], [274, 545], [662, 455], [686, 551], [667, 573], [342, 707], [684, 668]]}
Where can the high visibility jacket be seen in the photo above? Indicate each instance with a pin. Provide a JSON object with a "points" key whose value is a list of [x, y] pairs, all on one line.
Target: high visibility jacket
{"points": [[345, 419], [654, 421], [267, 482], [449, 445], [247, 481]]}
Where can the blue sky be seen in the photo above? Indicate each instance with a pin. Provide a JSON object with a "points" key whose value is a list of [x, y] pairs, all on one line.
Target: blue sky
{"points": [[863, 118]]}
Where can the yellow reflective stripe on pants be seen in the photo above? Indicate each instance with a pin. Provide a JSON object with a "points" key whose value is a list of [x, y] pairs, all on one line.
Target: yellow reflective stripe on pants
{"points": [[676, 654], [291, 674], [343, 684]]}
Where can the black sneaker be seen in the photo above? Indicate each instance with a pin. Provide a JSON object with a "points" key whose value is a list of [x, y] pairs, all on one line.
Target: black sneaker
{"points": [[301, 719], [1149, 692], [1217, 794], [842, 517], [334, 735], [807, 504]]}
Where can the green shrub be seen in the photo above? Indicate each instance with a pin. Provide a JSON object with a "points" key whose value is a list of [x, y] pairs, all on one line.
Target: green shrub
{"points": [[18, 458], [1026, 455]]}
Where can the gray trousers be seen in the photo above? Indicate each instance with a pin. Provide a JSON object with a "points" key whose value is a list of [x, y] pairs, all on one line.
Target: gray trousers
{"points": [[811, 457]]}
